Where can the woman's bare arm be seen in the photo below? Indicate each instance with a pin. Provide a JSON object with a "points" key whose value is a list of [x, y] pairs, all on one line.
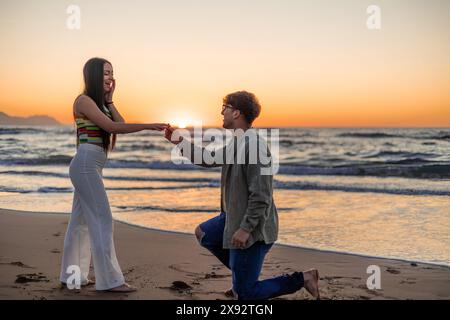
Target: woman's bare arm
{"points": [[87, 107], [117, 117]]}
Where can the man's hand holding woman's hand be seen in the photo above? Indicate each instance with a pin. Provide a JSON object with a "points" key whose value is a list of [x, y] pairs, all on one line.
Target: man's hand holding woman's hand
{"points": [[168, 134]]}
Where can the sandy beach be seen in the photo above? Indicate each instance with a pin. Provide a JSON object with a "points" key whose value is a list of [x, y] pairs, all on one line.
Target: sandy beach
{"points": [[31, 245]]}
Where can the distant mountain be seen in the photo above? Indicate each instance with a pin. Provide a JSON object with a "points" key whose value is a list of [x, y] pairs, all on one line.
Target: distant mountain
{"points": [[29, 121]]}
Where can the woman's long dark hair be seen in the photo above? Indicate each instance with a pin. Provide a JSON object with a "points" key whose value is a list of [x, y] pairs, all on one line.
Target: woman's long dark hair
{"points": [[93, 88]]}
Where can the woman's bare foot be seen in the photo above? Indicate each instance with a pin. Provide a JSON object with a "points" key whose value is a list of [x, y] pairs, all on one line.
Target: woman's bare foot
{"points": [[123, 288], [85, 284], [311, 282]]}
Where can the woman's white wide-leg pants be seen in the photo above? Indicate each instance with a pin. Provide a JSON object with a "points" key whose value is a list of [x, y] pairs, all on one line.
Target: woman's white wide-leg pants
{"points": [[91, 222]]}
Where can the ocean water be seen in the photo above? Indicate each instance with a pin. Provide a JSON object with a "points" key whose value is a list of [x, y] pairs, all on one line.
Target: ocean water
{"points": [[376, 192]]}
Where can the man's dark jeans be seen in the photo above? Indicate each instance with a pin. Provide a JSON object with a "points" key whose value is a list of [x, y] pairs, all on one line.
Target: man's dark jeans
{"points": [[246, 264]]}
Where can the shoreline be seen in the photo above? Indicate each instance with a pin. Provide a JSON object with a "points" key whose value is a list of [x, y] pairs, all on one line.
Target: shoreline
{"points": [[287, 245], [31, 246]]}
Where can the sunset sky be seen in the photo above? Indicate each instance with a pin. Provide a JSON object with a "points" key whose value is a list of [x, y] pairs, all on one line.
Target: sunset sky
{"points": [[311, 63]]}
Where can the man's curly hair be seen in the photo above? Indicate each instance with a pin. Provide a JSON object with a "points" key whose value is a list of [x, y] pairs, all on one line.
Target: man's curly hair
{"points": [[246, 103]]}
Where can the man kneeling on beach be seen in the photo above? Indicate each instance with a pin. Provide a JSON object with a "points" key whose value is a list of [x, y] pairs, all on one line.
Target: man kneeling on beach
{"points": [[247, 227]]}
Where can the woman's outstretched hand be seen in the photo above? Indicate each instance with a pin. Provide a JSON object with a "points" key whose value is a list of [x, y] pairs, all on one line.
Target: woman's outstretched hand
{"points": [[158, 126]]}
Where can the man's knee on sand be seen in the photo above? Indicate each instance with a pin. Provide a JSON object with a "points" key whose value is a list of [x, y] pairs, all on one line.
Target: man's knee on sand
{"points": [[199, 234]]}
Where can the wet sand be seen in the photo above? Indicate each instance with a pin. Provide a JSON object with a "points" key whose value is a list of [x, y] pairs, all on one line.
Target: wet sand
{"points": [[168, 265]]}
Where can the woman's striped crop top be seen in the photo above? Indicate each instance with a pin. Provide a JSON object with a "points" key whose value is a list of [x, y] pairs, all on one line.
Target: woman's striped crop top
{"points": [[89, 132]]}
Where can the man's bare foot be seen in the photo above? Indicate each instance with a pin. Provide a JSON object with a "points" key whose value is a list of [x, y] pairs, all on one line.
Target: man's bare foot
{"points": [[123, 288], [311, 282]]}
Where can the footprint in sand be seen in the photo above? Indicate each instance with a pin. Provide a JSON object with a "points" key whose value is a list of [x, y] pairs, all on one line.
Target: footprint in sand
{"points": [[339, 277], [374, 292], [127, 271], [31, 277], [179, 286], [392, 270], [198, 275], [215, 276], [408, 281], [55, 251], [18, 264], [207, 254], [182, 270]]}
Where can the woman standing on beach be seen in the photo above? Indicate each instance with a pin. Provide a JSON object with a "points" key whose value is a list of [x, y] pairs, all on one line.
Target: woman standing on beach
{"points": [[91, 223]]}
